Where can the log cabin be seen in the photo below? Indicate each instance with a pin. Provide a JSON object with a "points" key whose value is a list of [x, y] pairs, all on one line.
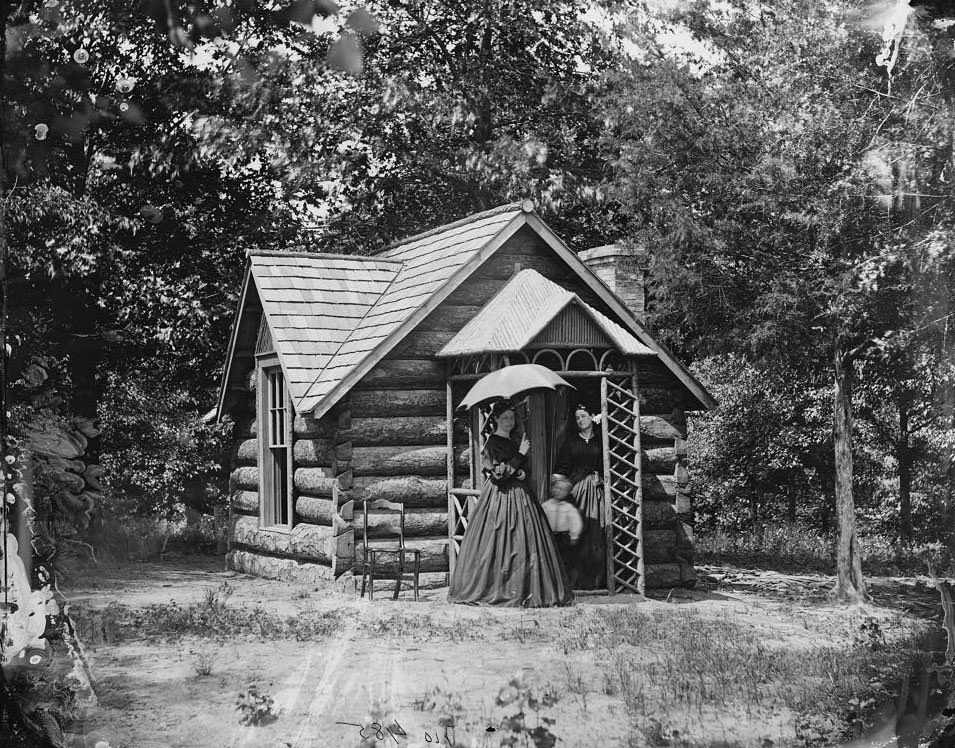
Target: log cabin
{"points": [[344, 373]]}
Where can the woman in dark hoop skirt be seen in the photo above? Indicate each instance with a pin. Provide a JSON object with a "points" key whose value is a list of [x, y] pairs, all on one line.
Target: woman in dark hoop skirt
{"points": [[508, 555], [580, 459]]}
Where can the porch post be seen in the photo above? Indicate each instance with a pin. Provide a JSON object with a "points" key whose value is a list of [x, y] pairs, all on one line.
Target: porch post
{"points": [[452, 514], [608, 514]]}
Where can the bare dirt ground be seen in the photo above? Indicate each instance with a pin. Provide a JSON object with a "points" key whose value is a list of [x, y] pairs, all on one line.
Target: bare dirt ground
{"points": [[535, 676]]}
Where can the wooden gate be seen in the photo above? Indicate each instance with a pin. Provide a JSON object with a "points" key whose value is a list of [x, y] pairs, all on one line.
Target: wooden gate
{"points": [[620, 410]]}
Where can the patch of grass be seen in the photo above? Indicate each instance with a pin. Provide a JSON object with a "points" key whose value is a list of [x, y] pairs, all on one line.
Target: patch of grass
{"points": [[797, 548], [677, 660], [212, 617]]}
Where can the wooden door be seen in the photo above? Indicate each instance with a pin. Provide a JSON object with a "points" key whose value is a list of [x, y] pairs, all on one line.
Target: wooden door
{"points": [[620, 427]]}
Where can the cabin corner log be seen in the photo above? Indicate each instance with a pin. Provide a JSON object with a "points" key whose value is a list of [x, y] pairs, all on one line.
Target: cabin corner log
{"points": [[661, 460], [678, 574], [247, 452], [659, 546], [305, 541], [658, 487], [315, 510], [245, 477], [312, 452], [683, 505], [306, 427], [663, 428], [316, 481], [273, 567], [342, 510], [687, 573], [658, 515], [662, 575], [328, 511], [684, 544], [245, 502], [406, 460]]}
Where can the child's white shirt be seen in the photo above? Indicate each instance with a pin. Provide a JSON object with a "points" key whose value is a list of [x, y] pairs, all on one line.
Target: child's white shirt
{"points": [[563, 517]]}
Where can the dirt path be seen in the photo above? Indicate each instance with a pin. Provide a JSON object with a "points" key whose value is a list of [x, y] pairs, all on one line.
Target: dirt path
{"points": [[407, 664]]}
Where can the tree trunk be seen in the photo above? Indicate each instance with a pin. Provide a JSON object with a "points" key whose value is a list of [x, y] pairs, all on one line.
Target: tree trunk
{"points": [[905, 496], [903, 456], [791, 507], [849, 583]]}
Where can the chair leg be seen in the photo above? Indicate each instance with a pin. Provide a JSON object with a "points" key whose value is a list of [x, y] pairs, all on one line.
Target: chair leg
{"points": [[417, 566], [371, 578], [401, 571]]}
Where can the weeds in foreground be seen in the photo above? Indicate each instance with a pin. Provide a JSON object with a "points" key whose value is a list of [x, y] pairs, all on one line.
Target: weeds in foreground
{"points": [[797, 548], [216, 599], [203, 664], [256, 707], [576, 684], [522, 717], [212, 618], [676, 660]]}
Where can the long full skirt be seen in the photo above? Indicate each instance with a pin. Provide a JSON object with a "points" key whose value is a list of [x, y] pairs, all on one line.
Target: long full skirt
{"points": [[591, 572], [508, 555]]}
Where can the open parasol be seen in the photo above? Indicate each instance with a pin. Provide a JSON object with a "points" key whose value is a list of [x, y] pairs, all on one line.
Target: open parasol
{"points": [[510, 383]]}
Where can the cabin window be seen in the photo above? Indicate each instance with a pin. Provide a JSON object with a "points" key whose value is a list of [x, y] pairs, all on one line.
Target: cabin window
{"points": [[275, 489]]}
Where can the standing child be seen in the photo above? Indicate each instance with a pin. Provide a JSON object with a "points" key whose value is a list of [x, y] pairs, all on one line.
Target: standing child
{"points": [[565, 522]]}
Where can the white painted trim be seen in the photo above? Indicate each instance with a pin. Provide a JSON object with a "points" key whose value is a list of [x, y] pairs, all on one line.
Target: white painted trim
{"points": [[236, 324], [267, 504], [275, 352]]}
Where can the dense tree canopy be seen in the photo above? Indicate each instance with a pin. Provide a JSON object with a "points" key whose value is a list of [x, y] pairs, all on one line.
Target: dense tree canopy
{"points": [[794, 199]]}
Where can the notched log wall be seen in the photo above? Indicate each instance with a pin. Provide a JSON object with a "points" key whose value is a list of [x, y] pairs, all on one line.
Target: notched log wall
{"points": [[320, 545], [388, 440], [667, 511]]}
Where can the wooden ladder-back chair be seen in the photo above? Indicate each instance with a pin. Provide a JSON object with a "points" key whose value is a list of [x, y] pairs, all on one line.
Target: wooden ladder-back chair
{"points": [[369, 563]]}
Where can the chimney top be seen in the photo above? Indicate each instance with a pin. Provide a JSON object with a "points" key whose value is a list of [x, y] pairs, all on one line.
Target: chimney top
{"points": [[621, 270]]}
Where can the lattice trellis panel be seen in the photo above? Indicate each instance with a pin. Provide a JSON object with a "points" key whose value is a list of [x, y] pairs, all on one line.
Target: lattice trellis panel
{"points": [[622, 482], [461, 506]]}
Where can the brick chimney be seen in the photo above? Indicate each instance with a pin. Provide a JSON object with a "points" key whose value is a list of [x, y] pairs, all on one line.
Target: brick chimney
{"points": [[623, 272]]}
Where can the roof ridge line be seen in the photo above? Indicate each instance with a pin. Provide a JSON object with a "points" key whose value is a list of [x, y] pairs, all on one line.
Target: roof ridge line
{"points": [[249, 253], [524, 205]]}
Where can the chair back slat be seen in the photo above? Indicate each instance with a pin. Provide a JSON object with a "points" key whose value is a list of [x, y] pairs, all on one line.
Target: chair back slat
{"points": [[387, 507]]}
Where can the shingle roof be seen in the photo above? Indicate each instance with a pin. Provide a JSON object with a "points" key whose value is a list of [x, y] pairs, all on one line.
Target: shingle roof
{"points": [[313, 302], [333, 317], [520, 311], [428, 263]]}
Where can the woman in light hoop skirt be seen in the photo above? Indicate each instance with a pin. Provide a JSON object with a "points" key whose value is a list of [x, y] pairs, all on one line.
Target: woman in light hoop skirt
{"points": [[580, 459], [508, 555]]}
